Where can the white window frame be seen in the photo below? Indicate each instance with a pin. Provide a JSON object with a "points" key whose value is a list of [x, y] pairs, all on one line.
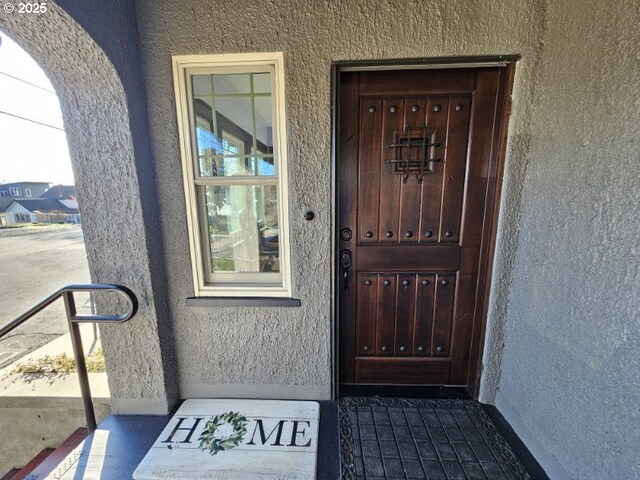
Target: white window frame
{"points": [[27, 192], [183, 67], [15, 191]]}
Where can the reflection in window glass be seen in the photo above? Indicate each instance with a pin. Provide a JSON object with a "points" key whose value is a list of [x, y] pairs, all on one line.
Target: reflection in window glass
{"points": [[266, 166], [243, 228], [201, 85], [262, 83], [264, 124], [231, 84], [233, 118], [235, 173]]}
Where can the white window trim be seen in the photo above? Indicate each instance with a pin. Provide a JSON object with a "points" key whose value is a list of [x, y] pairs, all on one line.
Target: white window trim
{"points": [[182, 64]]}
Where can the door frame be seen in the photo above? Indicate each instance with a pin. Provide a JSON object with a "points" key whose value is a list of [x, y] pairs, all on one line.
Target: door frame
{"points": [[492, 202]]}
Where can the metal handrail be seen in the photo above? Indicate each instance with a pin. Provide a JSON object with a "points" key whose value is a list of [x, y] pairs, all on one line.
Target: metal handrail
{"points": [[74, 320]]}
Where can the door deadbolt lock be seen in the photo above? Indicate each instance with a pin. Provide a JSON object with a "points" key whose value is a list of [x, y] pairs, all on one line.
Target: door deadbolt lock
{"points": [[345, 259], [345, 264]]}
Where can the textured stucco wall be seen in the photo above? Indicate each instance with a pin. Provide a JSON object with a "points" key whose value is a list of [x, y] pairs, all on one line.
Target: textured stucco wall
{"points": [[287, 352], [562, 340], [112, 25], [110, 192], [571, 362]]}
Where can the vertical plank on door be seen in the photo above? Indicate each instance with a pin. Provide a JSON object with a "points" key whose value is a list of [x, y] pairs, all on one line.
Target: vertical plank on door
{"points": [[389, 182], [386, 316], [454, 168], [369, 169], [423, 325], [444, 294], [404, 314], [411, 191], [437, 108], [366, 309]]}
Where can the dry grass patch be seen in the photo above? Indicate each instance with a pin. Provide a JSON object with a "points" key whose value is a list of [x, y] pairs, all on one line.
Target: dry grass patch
{"points": [[59, 364]]}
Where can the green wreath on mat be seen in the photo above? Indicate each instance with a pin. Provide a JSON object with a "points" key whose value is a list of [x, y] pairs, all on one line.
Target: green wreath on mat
{"points": [[208, 440]]}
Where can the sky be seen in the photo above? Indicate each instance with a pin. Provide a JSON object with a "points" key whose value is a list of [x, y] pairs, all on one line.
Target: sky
{"points": [[29, 151]]}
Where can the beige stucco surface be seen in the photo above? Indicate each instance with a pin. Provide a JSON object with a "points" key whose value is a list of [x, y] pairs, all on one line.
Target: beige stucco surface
{"points": [[222, 351], [97, 123], [566, 230], [571, 363], [563, 333]]}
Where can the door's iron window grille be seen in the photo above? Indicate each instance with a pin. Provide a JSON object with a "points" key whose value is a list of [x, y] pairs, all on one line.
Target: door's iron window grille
{"points": [[415, 151], [234, 162]]}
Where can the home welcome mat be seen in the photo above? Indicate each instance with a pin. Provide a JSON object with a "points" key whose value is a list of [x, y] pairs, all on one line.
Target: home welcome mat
{"points": [[236, 439]]}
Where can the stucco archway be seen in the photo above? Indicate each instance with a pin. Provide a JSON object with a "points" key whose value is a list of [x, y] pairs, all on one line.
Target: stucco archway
{"points": [[97, 122]]}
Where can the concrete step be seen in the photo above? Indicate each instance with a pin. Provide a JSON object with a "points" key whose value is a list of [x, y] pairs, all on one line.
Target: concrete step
{"points": [[9, 475], [47, 460], [31, 466]]}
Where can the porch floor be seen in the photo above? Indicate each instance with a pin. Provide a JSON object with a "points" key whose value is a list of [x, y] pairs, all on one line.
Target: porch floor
{"points": [[403, 438], [120, 443], [360, 438]]}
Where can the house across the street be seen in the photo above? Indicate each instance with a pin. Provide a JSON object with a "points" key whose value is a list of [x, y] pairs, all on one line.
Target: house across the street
{"points": [[67, 192], [42, 210], [35, 202], [23, 189], [12, 191]]}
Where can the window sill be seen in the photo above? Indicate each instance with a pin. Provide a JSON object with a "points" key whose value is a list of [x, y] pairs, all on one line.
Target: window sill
{"points": [[242, 302]]}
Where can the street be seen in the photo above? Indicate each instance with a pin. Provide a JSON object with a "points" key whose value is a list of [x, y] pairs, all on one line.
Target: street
{"points": [[32, 266]]}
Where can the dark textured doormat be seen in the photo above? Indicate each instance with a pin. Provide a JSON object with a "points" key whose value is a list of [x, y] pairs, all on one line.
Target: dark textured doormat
{"points": [[407, 438]]}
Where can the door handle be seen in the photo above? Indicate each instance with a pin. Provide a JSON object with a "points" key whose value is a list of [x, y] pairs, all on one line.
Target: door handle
{"points": [[345, 264]]}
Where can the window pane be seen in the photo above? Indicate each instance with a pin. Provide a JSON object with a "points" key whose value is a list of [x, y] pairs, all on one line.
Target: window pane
{"points": [[201, 85], [264, 124], [225, 142], [243, 228], [262, 83], [217, 166], [229, 84], [266, 166], [234, 124]]}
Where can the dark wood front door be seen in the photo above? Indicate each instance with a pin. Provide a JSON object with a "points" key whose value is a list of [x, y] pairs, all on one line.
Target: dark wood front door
{"points": [[417, 168]]}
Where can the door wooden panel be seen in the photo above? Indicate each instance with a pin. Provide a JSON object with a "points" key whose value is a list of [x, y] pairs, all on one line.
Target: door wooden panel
{"points": [[454, 168], [367, 313], [416, 155], [424, 311], [386, 319], [405, 309], [437, 113], [411, 192], [445, 285], [370, 147]]}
